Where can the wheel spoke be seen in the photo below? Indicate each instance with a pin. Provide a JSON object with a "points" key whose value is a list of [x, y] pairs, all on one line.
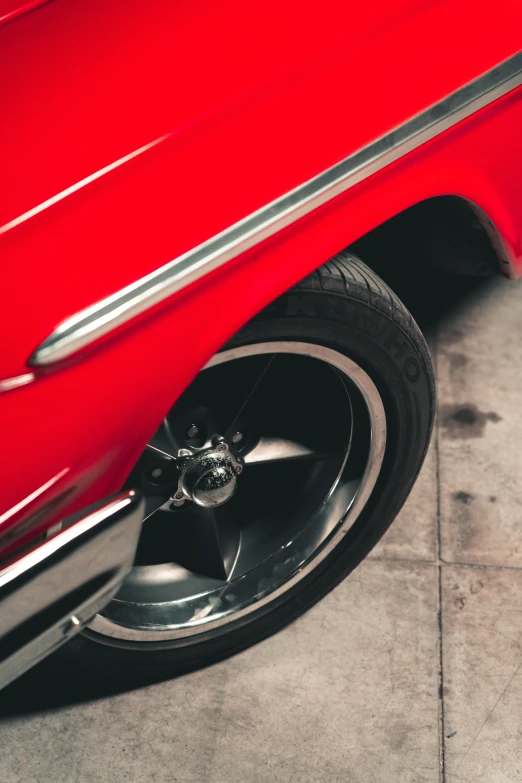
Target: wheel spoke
{"points": [[153, 503], [281, 449], [206, 542]]}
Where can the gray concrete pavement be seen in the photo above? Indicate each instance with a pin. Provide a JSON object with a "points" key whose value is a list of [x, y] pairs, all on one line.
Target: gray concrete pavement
{"points": [[422, 641]]}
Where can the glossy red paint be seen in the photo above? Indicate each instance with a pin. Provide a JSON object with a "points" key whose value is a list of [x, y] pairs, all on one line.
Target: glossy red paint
{"points": [[135, 134], [11, 9]]}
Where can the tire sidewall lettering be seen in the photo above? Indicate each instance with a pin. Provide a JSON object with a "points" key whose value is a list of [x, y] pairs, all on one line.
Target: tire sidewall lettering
{"points": [[372, 323]]}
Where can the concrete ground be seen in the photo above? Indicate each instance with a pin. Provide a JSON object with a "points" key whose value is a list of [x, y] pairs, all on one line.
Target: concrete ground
{"points": [[409, 672]]}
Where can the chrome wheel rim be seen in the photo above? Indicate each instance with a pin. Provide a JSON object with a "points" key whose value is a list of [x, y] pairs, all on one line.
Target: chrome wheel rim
{"points": [[159, 602]]}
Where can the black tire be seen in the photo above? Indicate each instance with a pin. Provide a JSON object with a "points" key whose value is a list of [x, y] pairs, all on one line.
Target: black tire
{"points": [[346, 307]]}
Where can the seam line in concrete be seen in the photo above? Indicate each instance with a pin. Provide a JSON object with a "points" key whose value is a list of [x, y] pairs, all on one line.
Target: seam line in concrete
{"points": [[442, 563], [439, 564]]}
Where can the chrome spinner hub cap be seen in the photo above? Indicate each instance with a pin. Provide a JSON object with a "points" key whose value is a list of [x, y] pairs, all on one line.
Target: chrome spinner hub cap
{"points": [[208, 478]]}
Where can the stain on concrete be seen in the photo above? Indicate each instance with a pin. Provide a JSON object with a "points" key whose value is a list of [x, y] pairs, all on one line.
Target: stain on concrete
{"points": [[463, 497], [492, 498], [456, 362], [460, 601], [452, 336], [461, 422], [464, 519], [476, 587]]}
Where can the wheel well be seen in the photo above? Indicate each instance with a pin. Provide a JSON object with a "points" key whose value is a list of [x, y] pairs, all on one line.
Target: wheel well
{"points": [[448, 232]]}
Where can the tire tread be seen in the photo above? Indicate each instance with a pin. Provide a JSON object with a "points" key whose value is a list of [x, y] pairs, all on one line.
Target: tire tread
{"points": [[346, 275]]}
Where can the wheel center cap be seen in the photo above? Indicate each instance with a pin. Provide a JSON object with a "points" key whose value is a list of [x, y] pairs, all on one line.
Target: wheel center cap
{"points": [[209, 478]]}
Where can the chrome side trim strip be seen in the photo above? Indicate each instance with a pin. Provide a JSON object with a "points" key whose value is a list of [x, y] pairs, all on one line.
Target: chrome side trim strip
{"points": [[92, 323], [51, 591]]}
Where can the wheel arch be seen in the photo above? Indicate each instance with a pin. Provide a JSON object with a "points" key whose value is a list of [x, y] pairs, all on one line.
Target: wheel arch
{"points": [[450, 232]]}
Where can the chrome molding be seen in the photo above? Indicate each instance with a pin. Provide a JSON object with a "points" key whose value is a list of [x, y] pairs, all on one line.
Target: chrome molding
{"points": [[51, 591], [94, 322]]}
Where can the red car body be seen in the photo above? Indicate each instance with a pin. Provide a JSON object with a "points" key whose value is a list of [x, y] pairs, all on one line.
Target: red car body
{"points": [[133, 132]]}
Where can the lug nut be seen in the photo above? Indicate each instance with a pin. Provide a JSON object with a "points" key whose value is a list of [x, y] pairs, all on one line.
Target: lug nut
{"points": [[237, 437], [193, 431], [177, 501]]}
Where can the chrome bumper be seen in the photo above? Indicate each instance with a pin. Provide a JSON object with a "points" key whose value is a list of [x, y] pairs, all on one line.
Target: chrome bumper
{"points": [[51, 592]]}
